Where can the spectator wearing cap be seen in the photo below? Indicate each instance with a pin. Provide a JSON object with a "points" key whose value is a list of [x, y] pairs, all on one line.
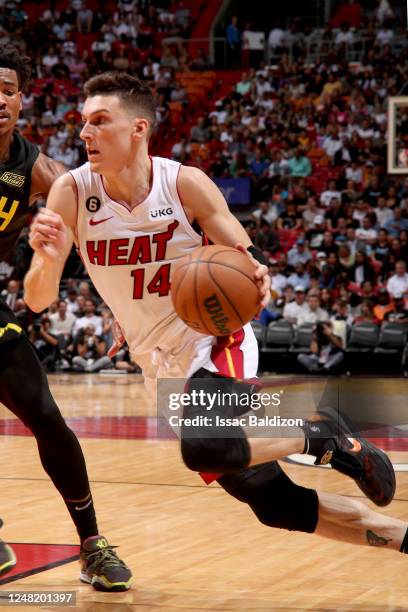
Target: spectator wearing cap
{"points": [[292, 310], [397, 284], [329, 193], [299, 277], [299, 164], [299, 253], [313, 313]]}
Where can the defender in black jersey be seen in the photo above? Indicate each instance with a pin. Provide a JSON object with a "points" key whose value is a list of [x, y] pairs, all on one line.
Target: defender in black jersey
{"points": [[25, 175]]}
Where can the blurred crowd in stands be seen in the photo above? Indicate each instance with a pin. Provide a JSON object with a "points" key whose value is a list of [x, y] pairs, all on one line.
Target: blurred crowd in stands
{"points": [[310, 138]]}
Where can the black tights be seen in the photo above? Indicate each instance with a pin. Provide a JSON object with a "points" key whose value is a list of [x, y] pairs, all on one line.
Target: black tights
{"points": [[24, 390]]}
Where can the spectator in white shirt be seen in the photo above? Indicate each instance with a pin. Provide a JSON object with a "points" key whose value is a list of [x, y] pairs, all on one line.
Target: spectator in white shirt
{"points": [[311, 212], [382, 212], [398, 283], [276, 38], [266, 212], [292, 310], [278, 280], [354, 173], [367, 233], [62, 321], [332, 144], [345, 36], [313, 313], [89, 318], [384, 36], [329, 193]]}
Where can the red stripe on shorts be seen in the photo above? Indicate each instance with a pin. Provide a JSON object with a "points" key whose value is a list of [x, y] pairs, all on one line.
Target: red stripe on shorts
{"points": [[228, 358]]}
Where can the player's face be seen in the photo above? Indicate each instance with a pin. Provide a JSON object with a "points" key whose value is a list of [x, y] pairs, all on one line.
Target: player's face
{"points": [[108, 132], [10, 100]]}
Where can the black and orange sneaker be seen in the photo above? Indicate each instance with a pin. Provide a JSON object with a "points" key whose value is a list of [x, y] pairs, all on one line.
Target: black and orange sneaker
{"points": [[7, 556], [353, 456], [101, 567]]}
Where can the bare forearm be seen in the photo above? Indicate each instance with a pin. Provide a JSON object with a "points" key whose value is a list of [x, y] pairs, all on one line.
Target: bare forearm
{"points": [[41, 284]]}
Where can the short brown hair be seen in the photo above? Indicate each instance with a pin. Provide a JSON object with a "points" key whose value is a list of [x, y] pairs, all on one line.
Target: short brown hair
{"points": [[132, 92]]}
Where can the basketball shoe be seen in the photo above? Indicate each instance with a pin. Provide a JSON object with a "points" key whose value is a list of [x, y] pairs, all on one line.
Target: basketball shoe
{"points": [[7, 556], [101, 567], [331, 439]]}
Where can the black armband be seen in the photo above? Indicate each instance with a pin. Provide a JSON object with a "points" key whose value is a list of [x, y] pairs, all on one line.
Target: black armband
{"points": [[258, 255]]}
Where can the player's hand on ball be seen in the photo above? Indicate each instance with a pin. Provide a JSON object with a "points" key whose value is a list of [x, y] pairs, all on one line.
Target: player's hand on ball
{"points": [[262, 278], [47, 234]]}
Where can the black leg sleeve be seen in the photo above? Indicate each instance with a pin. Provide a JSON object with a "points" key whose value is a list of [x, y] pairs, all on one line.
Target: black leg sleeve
{"points": [[24, 390]]}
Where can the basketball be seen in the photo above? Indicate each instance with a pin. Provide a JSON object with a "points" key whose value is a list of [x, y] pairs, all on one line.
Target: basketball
{"points": [[214, 291]]}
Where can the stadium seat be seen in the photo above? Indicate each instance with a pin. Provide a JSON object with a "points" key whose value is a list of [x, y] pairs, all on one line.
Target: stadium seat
{"points": [[303, 338], [393, 337], [259, 331], [279, 337], [363, 338], [392, 345]]}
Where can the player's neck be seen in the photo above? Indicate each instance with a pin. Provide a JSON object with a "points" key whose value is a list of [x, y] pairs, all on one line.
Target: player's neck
{"points": [[5, 146], [132, 184]]}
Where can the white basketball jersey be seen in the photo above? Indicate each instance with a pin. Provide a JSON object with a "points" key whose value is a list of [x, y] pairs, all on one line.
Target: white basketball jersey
{"points": [[128, 254]]}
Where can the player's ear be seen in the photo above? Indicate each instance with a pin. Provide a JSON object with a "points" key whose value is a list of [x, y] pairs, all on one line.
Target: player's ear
{"points": [[21, 101], [140, 127]]}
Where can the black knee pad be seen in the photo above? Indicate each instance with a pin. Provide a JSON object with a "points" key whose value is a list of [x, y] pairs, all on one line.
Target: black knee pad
{"points": [[274, 498], [208, 446], [221, 455]]}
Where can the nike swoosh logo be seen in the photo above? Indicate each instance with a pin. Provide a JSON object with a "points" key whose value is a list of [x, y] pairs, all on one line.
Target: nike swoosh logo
{"points": [[92, 222], [356, 446], [83, 507]]}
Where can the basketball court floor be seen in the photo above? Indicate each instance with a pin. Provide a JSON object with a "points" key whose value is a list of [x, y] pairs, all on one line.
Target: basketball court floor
{"points": [[190, 546]]}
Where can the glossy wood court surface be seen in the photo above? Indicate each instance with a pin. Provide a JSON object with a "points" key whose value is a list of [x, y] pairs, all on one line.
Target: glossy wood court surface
{"points": [[191, 547]]}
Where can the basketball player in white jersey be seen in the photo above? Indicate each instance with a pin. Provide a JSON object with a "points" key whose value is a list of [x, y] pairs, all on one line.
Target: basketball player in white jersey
{"points": [[131, 216]]}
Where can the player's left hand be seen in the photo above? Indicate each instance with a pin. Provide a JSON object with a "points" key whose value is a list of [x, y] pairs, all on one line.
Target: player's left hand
{"points": [[118, 339], [262, 278]]}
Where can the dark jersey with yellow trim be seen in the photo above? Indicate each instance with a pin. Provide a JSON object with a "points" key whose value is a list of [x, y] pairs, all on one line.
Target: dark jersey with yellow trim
{"points": [[15, 185]]}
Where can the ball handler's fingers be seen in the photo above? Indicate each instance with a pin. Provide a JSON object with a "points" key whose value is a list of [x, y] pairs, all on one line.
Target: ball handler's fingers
{"points": [[261, 275]]}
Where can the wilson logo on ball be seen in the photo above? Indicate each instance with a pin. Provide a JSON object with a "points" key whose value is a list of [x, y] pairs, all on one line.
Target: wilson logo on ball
{"points": [[217, 315]]}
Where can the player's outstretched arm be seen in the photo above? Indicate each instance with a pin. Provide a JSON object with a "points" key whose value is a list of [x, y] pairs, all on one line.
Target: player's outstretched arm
{"points": [[204, 203], [51, 238]]}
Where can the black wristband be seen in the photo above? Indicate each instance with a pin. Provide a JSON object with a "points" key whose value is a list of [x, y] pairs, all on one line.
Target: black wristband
{"points": [[257, 254]]}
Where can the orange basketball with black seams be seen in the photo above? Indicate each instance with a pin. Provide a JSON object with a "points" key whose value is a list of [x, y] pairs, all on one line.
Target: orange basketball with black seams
{"points": [[214, 291]]}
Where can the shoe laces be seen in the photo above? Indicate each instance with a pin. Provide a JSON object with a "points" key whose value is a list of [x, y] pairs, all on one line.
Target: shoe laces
{"points": [[105, 556]]}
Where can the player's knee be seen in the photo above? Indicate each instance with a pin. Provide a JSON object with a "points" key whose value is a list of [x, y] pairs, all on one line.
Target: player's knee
{"points": [[276, 500], [209, 454]]}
